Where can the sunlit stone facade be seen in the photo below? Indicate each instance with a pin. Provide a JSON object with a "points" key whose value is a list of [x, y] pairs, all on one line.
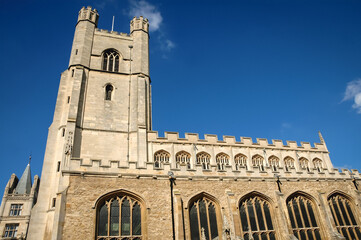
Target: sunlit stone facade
{"points": [[105, 172]]}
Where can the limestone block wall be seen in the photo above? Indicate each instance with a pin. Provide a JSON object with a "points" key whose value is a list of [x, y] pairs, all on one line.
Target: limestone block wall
{"points": [[85, 189]]}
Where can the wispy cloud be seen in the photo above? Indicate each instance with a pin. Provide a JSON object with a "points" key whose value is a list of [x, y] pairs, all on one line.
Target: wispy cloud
{"points": [[148, 10], [145, 9], [353, 92]]}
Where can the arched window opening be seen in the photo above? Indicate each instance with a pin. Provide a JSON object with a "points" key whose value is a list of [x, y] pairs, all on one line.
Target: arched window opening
{"points": [[119, 217], [222, 160], [160, 158], [204, 159], [256, 219], [274, 162], [343, 213], [317, 163], [289, 163], [108, 92], [111, 60], [304, 164], [183, 158], [257, 161], [240, 161], [303, 218], [203, 219]]}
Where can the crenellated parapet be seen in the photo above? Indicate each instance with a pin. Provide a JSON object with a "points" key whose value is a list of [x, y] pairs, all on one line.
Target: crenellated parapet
{"points": [[139, 23], [193, 138], [111, 33], [88, 14]]}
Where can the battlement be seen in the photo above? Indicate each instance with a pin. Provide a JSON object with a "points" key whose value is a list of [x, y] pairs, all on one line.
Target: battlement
{"points": [[139, 23], [112, 32], [88, 14], [193, 138]]}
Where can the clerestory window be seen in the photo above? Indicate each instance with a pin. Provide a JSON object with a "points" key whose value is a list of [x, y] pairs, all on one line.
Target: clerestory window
{"points": [[160, 158], [258, 161], [222, 160], [204, 159], [289, 163], [118, 218], [110, 60], [183, 158], [240, 160], [274, 162]]}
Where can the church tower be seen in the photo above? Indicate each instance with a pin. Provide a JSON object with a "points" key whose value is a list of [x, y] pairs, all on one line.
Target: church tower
{"points": [[102, 113]]}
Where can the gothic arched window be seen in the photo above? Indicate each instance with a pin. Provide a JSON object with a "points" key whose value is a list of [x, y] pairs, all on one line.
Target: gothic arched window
{"points": [[222, 160], [303, 218], [343, 214], [183, 158], [160, 158], [256, 219], [274, 162], [317, 163], [119, 217], [240, 160], [257, 161], [108, 92], [204, 159], [203, 219], [304, 163], [110, 60], [289, 163]]}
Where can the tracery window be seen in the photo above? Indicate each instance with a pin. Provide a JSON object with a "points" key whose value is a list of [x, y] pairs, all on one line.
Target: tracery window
{"points": [[240, 160], [317, 163], [222, 160], [160, 158], [119, 218], [110, 60], [256, 219], [289, 163], [304, 163], [274, 162], [203, 219], [108, 92], [183, 158], [303, 220], [204, 159], [257, 161], [343, 214]]}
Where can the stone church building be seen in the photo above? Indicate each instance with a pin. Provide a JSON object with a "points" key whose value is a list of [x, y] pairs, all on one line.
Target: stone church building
{"points": [[108, 176]]}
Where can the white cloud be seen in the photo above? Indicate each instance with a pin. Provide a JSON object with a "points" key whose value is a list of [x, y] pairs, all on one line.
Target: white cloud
{"points": [[147, 10], [353, 91]]}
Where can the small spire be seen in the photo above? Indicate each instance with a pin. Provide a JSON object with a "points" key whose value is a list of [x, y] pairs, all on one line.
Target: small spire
{"points": [[24, 184], [321, 138]]}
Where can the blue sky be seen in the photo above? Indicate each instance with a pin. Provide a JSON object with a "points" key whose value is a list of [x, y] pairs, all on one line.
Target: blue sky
{"points": [[262, 69]]}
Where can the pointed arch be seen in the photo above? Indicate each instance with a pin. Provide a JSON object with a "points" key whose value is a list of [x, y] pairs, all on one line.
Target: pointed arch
{"points": [[304, 215], [256, 214], [204, 216], [110, 60], [304, 163], [161, 157], [108, 91], [222, 160], [274, 162], [289, 163], [120, 213], [344, 214], [258, 161], [317, 163], [240, 160], [204, 159], [183, 158]]}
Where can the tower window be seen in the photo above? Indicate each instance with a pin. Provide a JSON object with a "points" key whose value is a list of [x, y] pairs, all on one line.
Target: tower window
{"points": [[183, 158], [11, 230], [15, 209], [108, 92], [240, 160], [110, 60], [204, 159], [160, 158], [222, 160], [53, 203]]}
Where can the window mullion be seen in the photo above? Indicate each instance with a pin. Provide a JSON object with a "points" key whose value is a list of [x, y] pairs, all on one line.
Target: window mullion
{"points": [[300, 211], [209, 223], [255, 213], [108, 207], [199, 220], [334, 212], [339, 209], [131, 217], [247, 214], [264, 215]]}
